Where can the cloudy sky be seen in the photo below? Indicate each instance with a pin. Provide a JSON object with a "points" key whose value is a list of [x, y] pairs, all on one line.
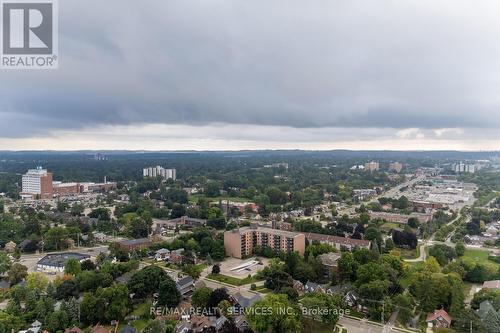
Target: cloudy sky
{"points": [[260, 74]]}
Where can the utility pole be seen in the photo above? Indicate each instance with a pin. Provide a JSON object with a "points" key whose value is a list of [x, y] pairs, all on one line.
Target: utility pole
{"points": [[383, 308]]}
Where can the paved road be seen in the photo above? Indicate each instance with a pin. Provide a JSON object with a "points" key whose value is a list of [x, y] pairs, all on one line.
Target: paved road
{"points": [[390, 193], [395, 191], [363, 326], [31, 260], [431, 241]]}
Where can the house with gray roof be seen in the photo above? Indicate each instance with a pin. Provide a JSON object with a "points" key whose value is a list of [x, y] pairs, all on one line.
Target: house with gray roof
{"points": [[185, 285], [243, 301]]}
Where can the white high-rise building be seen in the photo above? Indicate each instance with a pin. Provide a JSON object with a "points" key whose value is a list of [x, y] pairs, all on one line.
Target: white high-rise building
{"points": [[38, 182], [462, 167], [159, 171]]}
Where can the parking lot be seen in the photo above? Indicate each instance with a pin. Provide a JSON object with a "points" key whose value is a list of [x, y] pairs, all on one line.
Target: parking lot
{"points": [[240, 268]]}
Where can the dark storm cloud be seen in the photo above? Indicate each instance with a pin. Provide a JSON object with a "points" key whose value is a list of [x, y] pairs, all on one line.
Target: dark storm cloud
{"points": [[384, 64]]}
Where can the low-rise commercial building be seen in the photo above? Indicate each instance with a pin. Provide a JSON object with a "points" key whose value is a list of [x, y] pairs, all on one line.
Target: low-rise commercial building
{"points": [[57, 262]]}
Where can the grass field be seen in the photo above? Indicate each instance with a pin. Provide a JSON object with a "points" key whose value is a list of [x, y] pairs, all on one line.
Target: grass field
{"points": [[232, 280], [478, 256], [309, 325], [410, 253], [390, 225]]}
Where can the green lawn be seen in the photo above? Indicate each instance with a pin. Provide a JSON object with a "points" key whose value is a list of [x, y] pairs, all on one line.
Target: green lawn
{"points": [[232, 280], [263, 290], [478, 256], [309, 325], [410, 253], [390, 225], [140, 324]]}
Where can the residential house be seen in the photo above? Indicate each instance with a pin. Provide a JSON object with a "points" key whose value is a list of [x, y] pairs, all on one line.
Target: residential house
{"points": [[100, 237], [298, 286], [200, 324], [128, 329], [99, 329], [10, 247], [329, 260], [185, 285], [241, 323], [176, 255], [242, 301], [74, 330], [28, 245], [4, 285], [351, 298], [339, 289], [35, 327], [313, 287], [160, 227], [439, 318], [486, 309], [493, 284], [162, 255]]}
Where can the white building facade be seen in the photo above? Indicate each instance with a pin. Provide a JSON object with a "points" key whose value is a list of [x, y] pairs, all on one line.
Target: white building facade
{"points": [[159, 171]]}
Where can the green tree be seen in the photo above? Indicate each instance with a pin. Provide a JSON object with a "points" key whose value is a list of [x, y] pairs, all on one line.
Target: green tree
{"points": [[117, 301], [58, 320], [37, 281], [73, 267], [281, 316], [92, 309], [213, 189], [405, 306], [55, 238], [10, 322], [346, 266], [5, 263], [17, 273], [200, 297], [146, 281], [321, 307], [155, 326], [169, 295], [460, 249]]}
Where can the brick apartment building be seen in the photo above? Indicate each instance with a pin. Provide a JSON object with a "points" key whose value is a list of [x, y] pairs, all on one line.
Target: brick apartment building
{"points": [[401, 218], [241, 242], [338, 242]]}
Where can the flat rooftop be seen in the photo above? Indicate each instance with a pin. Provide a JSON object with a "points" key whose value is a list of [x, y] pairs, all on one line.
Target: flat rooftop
{"points": [[60, 259], [266, 230]]}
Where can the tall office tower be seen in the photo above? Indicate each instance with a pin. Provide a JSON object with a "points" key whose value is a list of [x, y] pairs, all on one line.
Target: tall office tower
{"points": [[38, 182]]}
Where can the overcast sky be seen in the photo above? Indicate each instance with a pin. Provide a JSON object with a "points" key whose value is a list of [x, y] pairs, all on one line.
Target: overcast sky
{"points": [[162, 74]]}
